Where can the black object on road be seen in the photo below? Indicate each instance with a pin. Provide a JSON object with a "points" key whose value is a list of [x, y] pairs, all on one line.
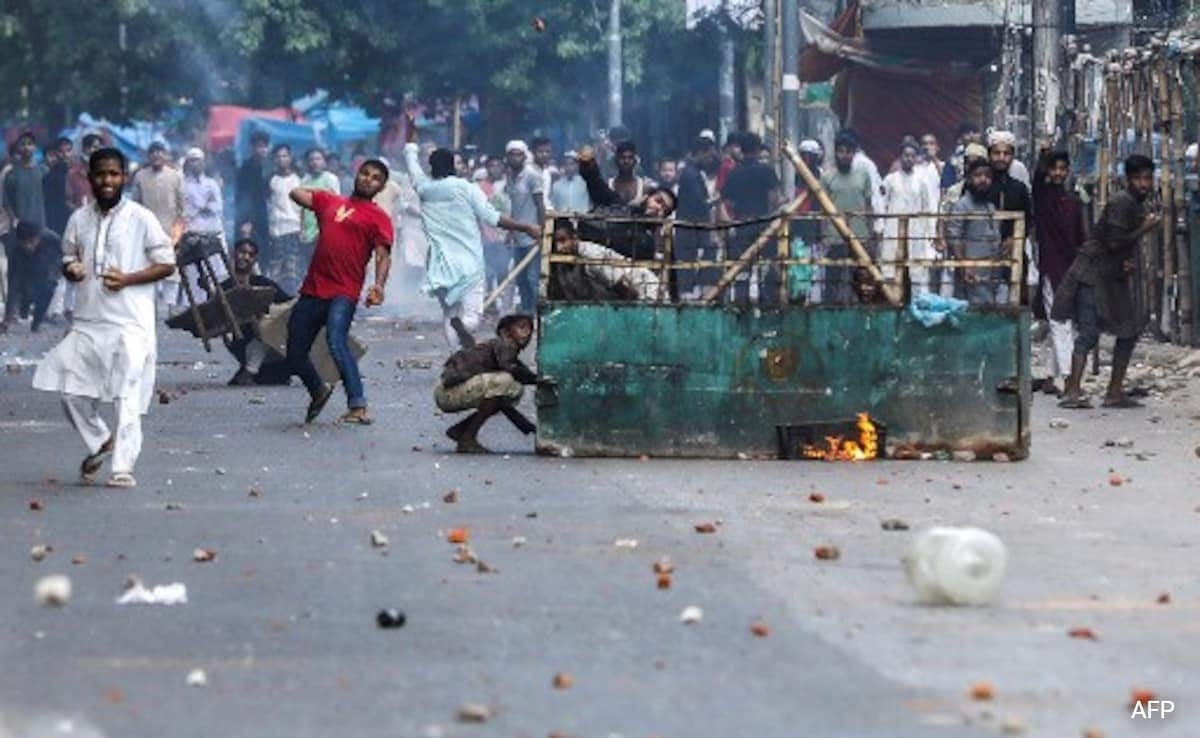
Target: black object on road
{"points": [[390, 618]]}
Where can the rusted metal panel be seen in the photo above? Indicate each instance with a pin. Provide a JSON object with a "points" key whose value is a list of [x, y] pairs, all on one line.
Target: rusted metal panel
{"points": [[713, 381]]}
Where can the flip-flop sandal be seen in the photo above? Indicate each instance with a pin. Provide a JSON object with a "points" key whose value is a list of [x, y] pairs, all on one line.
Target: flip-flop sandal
{"points": [[121, 480], [93, 462], [352, 419], [1122, 403], [317, 404], [1075, 403]]}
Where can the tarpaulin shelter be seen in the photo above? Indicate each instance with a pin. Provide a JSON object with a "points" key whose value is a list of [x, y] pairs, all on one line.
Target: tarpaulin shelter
{"points": [[885, 97], [132, 139], [326, 125], [225, 120]]}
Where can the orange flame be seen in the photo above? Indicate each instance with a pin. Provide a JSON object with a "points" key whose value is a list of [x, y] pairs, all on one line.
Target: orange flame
{"points": [[840, 448]]}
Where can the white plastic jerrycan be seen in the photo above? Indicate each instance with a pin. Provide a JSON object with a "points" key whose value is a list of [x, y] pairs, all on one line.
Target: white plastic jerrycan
{"points": [[956, 566]]}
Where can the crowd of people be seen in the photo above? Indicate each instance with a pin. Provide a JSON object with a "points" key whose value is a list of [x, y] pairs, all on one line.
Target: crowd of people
{"points": [[101, 237]]}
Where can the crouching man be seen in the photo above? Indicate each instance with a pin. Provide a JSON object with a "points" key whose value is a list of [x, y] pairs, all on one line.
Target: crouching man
{"points": [[487, 378]]}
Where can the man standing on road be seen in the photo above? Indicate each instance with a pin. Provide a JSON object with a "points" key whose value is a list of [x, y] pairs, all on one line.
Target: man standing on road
{"points": [[1097, 293], [527, 198], [350, 231], [114, 250], [1061, 229], [252, 192], [451, 210], [283, 217], [34, 263], [23, 195], [159, 187]]}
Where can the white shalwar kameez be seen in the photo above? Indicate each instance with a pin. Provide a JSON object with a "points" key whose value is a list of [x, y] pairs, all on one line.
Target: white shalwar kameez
{"points": [[907, 193], [109, 354]]}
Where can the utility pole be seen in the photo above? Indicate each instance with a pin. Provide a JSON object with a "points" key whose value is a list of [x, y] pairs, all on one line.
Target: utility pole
{"points": [[615, 76], [1047, 57], [789, 98], [121, 79], [726, 91], [770, 37]]}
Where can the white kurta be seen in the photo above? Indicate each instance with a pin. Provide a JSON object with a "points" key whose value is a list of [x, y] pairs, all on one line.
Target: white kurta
{"points": [[906, 193], [109, 353]]}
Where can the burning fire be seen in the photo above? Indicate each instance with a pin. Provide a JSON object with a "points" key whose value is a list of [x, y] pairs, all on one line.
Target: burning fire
{"points": [[840, 448]]}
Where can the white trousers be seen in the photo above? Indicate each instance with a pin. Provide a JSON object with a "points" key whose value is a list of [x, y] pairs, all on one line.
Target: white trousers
{"points": [[469, 310], [84, 414], [1062, 336]]}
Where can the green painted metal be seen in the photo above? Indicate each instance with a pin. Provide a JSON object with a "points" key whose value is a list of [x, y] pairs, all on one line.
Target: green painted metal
{"points": [[711, 381]]}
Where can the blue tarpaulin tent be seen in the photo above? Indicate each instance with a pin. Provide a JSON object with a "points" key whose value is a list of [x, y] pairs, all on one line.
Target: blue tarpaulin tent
{"points": [[329, 126]]}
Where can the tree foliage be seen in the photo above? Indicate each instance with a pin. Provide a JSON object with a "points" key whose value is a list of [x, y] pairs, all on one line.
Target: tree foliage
{"points": [[64, 57]]}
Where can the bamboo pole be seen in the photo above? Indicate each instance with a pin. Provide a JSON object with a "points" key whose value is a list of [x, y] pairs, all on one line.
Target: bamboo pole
{"points": [[1016, 263], [903, 278], [782, 251], [856, 247], [712, 294], [512, 277], [664, 283], [1166, 276], [1183, 285]]}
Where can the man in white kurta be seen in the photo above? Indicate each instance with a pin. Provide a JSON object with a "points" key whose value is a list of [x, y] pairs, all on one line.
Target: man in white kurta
{"points": [[906, 192], [451, 210], [114, 249]]}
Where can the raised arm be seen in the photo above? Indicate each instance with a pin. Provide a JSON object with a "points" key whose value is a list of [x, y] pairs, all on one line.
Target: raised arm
{"points": [[413, 164], [303, 197], [598, 190]]}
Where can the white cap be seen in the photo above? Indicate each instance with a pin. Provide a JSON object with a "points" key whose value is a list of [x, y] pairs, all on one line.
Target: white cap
{"points": [[1002, 138], [810, 146], [195, 153], [572, 154], [516, 145], [707, 133]]}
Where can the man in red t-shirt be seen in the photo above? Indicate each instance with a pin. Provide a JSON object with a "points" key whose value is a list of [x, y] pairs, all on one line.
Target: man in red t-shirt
{"points": [[352, 230]]}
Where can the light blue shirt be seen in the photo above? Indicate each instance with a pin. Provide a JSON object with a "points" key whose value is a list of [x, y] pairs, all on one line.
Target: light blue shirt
{"points": [[570, 195], [451, 210]]}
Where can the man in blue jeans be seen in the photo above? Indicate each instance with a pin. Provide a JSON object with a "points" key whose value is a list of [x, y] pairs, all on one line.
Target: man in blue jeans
{"points": [[350, 230]]}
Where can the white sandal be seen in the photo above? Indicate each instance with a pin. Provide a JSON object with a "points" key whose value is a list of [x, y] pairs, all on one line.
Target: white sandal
{"points": [[121, 480]]}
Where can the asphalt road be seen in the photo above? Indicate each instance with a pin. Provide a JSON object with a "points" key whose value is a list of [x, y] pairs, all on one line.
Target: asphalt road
{"points": [[283, 620]]}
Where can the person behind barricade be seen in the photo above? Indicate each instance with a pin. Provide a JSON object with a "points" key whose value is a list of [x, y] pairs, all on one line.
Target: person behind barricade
{"points": [[603, 276], [452, 210], [752, 191], [486, 378], [977, 237], [528, 201], [633, 240], [731, 156], [569, 194], [965, 134], [631, 186], [850, 189], [907, 192], [114, 250], [1008, 193], [1097, 293], [1061, 228], [695, 206], [947, 280], [667, 172]]}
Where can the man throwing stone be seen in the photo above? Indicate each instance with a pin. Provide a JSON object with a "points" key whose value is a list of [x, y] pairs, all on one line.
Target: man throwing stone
{"points": [[350, 231]]}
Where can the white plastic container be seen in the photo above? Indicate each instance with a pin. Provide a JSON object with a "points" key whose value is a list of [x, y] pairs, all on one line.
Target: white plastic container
{"points": [[956, 566]]}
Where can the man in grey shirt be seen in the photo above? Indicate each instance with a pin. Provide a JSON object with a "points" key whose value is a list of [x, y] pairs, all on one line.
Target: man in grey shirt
{"points": [[524, 189], [977, 238], [23, 195]]}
